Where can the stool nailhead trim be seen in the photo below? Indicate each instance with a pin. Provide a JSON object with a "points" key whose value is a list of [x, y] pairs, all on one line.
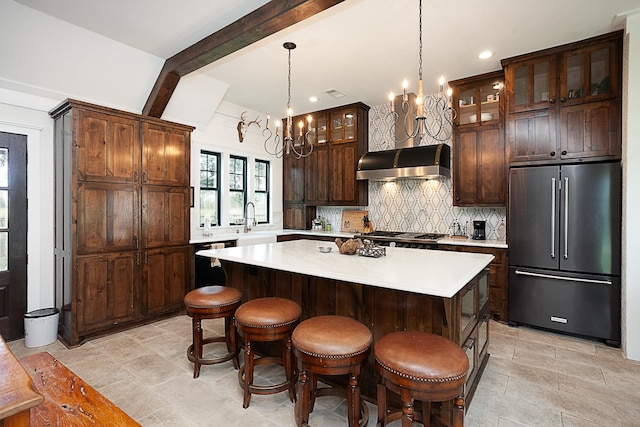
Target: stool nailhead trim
{"points": [[334, 356], [428, 380], [269, 326]]}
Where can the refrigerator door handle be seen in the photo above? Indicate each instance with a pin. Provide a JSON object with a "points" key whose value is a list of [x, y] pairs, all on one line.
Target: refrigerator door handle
{"points": [[571, 279], [566, 217], [553, 217]]}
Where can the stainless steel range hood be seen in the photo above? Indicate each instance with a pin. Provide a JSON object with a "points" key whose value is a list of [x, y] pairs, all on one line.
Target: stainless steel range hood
{"points": [[427, 161]]}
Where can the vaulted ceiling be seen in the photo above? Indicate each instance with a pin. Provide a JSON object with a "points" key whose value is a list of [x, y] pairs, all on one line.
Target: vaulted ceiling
{"points": [[361, 48]]}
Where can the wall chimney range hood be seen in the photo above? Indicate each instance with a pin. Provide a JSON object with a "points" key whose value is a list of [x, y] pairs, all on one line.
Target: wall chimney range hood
{"points": [[427, 161]]}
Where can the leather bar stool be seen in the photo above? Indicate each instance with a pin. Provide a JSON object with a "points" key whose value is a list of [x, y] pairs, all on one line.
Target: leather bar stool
{"points": [[267, 319], [422, 366], [212, 302], [331, 345]]}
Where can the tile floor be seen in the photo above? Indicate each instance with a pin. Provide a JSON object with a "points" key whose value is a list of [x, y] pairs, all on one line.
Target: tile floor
{"points": [[532, 378]]}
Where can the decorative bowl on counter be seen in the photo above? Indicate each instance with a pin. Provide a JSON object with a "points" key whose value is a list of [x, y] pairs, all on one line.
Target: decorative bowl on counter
{"points": [[325, 249]]}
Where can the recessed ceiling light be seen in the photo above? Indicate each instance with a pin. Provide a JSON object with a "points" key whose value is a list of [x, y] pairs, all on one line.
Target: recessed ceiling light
{"points": [[485, 54], [313, 99]]}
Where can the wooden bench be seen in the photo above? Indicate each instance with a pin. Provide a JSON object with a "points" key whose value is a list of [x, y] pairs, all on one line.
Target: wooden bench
{"points": [[17, 393], [68, 400]]}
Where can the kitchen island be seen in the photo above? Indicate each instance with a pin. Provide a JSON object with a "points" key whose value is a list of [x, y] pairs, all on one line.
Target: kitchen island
{"points": [[441, 292]]}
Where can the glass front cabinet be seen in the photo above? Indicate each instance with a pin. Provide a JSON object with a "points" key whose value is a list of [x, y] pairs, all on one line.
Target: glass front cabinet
{"points": [[564, 103]]}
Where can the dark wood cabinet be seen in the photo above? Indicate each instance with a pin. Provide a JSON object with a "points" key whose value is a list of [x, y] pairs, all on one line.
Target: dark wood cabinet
{"points": [[327, 177], [564, 103], [498, 277], [478, 141], [122, 218], [107, 147], [108, 294]]}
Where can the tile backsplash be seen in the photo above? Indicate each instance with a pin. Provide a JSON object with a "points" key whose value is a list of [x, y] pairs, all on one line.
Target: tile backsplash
{"points": [[415, 205]]}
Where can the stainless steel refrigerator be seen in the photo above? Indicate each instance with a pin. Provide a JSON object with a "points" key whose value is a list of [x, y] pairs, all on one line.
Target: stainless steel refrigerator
{"points": [[564, 248]]}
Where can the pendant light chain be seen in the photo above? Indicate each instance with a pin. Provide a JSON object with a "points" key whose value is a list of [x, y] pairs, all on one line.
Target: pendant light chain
{"points": [[420, 43], [289, 83]]}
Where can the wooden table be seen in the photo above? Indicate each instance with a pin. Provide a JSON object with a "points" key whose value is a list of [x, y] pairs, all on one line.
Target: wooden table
{"points": [[17, 393], [68, 400]]}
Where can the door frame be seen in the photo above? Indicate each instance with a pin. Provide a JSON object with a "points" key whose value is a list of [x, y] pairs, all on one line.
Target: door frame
{"points": [[40, 192]]}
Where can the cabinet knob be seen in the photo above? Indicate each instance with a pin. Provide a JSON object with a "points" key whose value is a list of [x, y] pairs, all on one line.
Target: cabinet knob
{"points": [[563, 99], [552, 154], [563, 152], [552, 100]]}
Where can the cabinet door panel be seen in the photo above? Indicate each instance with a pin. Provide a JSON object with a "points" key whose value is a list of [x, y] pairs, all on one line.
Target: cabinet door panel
{"points": [[107, 217], [166, 277], [492, 185], [107, 148], [294, 216], [466, 173], [165, 155], [165, 219], [532, 137], [108, 292], [590, 130], [293, 180], [343, 173], [317, 169]]}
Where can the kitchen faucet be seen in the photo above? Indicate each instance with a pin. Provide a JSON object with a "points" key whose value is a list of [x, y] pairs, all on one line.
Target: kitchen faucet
{"points": [[249, 226]]}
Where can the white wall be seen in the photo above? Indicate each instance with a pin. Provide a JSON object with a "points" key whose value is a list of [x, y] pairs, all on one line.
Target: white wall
{"points": [[631, 192], [222, 136]]}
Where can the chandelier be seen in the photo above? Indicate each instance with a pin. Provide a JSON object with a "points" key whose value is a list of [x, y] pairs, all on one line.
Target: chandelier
{"points": [[433, 116], [289, 144]]}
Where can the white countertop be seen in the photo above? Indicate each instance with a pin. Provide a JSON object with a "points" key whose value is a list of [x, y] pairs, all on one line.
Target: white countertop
{"points": [[263, 236], [500, 244], [429, 272]]}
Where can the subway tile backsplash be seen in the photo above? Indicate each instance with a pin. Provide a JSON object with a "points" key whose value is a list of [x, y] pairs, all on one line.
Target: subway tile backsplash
{"points": [[414, 205]]}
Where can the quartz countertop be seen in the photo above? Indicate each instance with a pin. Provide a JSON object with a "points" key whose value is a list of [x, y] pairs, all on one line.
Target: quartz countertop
{"points": [[429, 272], [500, 244], [263, 236], [254, 235]]}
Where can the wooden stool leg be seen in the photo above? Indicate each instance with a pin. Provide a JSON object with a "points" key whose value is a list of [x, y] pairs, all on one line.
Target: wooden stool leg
{"points": [[426, 413], [458, 411], [288, 368], [353, 400], [382, 404], [248, 373], [230, 333], [407, 408], [197, 345], [302, 402]]}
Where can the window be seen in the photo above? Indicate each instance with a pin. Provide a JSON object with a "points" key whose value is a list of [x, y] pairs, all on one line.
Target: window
{"points": [[209, 187], [261, 191], [237, 187]]}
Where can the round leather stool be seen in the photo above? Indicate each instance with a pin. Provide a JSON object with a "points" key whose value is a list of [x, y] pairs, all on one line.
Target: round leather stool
{"points": [[267, 319], [212, 302], [331, 345], [423, 366]]}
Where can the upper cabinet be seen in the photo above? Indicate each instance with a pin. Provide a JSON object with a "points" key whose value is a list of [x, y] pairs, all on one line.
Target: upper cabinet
{"points": [[340, 137], [478, 141], [563, 103]]}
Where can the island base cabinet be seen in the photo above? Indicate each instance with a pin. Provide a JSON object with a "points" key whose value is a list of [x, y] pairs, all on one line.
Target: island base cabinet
{"points": [[382, 310]]}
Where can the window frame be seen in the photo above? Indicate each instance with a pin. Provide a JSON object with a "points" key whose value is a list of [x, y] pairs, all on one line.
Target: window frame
{"points": [[218, 156], [232, 191], [267, 191]]}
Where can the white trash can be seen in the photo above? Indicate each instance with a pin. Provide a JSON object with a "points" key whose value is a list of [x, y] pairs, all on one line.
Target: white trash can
{"points": [[41, 327]]}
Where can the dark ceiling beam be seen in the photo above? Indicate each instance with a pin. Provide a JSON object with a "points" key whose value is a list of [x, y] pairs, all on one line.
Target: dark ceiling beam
{"points": [[262, 22]]}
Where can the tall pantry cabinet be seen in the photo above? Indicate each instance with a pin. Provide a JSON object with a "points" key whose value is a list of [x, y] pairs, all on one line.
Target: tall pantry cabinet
{"points": [[122, 253]]}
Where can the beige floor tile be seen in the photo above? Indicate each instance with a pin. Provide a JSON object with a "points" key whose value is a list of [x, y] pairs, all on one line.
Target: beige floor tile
{"points": [[533, 378]]}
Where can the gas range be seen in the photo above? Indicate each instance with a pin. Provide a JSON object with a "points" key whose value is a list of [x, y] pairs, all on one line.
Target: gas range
{"points": [[402, 239]]}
